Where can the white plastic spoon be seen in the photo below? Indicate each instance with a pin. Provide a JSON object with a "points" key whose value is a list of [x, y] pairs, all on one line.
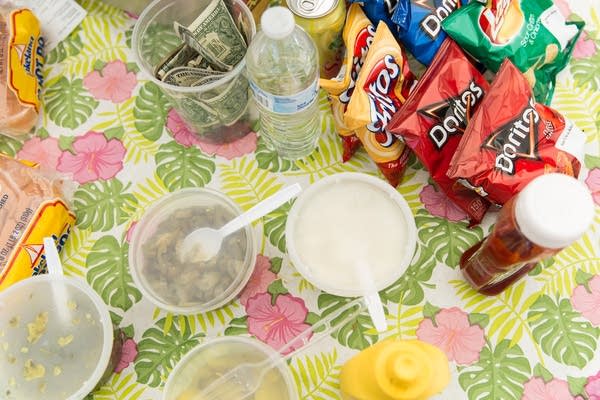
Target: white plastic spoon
{"points": [[205, 243], [55, 268], [370, 296]]}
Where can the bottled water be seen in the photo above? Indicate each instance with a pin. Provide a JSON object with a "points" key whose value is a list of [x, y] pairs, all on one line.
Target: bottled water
{"points": [[283, 70]]}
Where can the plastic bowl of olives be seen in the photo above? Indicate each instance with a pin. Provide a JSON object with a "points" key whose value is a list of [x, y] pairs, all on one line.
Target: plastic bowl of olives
{"points": [[173, 282]]}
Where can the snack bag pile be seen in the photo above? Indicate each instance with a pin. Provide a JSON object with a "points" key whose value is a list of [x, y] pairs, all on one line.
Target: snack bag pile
{"points": [[533, 34], [512, 139], [383, 84], [32, 206], [435, 116]]}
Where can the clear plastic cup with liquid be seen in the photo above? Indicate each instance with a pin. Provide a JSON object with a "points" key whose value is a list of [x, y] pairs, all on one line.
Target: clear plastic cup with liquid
{"points": [[219, 111]]}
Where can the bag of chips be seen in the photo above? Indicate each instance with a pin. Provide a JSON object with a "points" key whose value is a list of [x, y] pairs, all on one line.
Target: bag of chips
{"points": [[358, 35], [533, 34], [435, 116], [379, 10], [32, 206], [383, 84], [419, 25], [511, 140]]}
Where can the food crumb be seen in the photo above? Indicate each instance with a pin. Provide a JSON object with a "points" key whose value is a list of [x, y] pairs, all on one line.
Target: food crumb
{"points": [[37, 328], [76, 321], [12, 359], [88, 316], [24, 350], [71, 305], [43, 387], [33, 371], [12, 382], [14, 322], [64, 341], [2, 334], [5, 346], [57, 370]]}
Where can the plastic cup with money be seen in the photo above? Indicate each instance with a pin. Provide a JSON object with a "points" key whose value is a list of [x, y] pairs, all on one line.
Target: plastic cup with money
{"points": [[194, 52]]}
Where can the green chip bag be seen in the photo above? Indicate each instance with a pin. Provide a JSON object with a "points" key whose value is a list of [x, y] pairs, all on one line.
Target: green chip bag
{"points": [[533, 34]]}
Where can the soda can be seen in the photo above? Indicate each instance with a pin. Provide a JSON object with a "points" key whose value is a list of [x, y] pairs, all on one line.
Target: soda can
{"points": [[324, 21]]}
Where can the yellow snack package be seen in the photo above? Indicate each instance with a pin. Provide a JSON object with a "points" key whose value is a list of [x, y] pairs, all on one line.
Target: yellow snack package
{"points": [[32, 206], [383, 85], [357, 35]]}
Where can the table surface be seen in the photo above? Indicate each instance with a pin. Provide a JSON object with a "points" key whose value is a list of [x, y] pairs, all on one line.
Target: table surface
{"points": [[126, 148]]}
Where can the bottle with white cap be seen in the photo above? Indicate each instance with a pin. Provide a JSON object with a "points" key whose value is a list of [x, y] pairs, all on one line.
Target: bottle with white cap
{"points": [[283, 70], [549, 214]]}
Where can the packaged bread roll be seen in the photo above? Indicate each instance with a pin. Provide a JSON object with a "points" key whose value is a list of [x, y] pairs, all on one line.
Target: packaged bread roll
{"points": [[21, 61], [32, 206]]}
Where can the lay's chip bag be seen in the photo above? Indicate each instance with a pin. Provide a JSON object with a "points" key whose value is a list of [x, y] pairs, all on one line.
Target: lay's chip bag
{"points": [[383, 84], [533, 34], [419, 25], [357, 35]]}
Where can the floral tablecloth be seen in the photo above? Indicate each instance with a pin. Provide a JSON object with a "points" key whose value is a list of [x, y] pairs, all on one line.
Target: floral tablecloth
{"points": [[125, 146]]}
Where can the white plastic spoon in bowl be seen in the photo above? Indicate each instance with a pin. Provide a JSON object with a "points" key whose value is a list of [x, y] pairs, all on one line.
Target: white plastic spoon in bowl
{"points": [[205, 243]]}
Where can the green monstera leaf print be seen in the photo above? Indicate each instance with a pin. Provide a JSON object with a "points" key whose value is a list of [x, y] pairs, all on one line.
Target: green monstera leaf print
{"points": [[150, 111], [69, 47], [275, 226], [448, 240], [356, 333], [183, 167], [268, 159], [587, 72], [159, 352], [500, 373], [108, 273], [103, 205], [67, 102], [159, 41], [9, 146], [408, 289], [562, 332]]}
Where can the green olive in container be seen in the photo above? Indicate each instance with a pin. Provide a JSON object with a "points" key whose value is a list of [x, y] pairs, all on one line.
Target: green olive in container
{"points": [[183, 284]]}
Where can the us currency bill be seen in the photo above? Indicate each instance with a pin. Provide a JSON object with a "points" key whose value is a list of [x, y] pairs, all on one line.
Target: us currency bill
{"points": [[189, 76]]}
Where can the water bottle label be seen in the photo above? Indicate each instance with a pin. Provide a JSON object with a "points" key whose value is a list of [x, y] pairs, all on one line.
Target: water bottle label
{"points": [[286, 104]]}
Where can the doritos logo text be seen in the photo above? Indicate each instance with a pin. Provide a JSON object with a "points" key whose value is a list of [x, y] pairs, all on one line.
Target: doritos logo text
{"points": [[383, 103], [452, 115], [432, 24], [516, 140]]}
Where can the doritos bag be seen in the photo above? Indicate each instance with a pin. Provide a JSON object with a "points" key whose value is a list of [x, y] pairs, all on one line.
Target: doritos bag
{"points": [[419, 24], [511, 139], [378, 10], [358, 35], [382, 87], [533, 34], [435, 116]]}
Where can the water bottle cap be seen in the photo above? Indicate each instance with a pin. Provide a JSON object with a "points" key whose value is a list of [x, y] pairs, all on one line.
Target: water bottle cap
{"points": [[277, 22], [554, 210]]}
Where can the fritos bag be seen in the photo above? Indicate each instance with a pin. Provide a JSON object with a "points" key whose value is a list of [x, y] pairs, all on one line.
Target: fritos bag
{"points": [[32, 206], [382, 87], [419, 24], [358, 35], [21, 60], [533, 34], [511, 139], [436, 114]]}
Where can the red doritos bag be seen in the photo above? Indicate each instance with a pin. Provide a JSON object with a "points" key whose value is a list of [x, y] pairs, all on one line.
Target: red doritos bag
{"points": [[435, 116], [512, 139]]}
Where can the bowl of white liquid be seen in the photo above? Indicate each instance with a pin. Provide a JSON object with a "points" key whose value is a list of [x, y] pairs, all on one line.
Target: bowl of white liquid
{"points": [[345, 219]]}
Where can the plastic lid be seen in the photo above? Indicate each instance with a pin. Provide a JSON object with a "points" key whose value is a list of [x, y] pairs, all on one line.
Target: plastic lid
{"points": [[554, 210], [56, 339], [277, 22]]}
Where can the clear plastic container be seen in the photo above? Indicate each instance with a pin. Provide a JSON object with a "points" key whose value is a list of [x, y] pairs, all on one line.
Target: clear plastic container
{"points": [[158, 269], [283, 69], [216, 357], [56, 339]]}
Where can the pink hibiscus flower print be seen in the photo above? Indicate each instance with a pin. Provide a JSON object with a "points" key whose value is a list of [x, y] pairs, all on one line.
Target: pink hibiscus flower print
{"points": [[260, 280], [237, 148], [537, 389], [113, 82], [593, 182], [452, 332], [439, 205], [588, 303], [128, 354], [94, 158], [180, 130], [592, 387], [45, 152], [563, 6], [585, 47], [276, 324]]}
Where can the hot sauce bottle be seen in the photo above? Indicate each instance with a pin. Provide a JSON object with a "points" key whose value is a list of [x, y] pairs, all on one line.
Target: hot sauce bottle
{"points": [[549, 214]]}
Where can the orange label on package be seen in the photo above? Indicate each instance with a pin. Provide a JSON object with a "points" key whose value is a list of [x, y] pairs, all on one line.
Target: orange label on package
{"points": [[25, 247], [26, 49]]}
